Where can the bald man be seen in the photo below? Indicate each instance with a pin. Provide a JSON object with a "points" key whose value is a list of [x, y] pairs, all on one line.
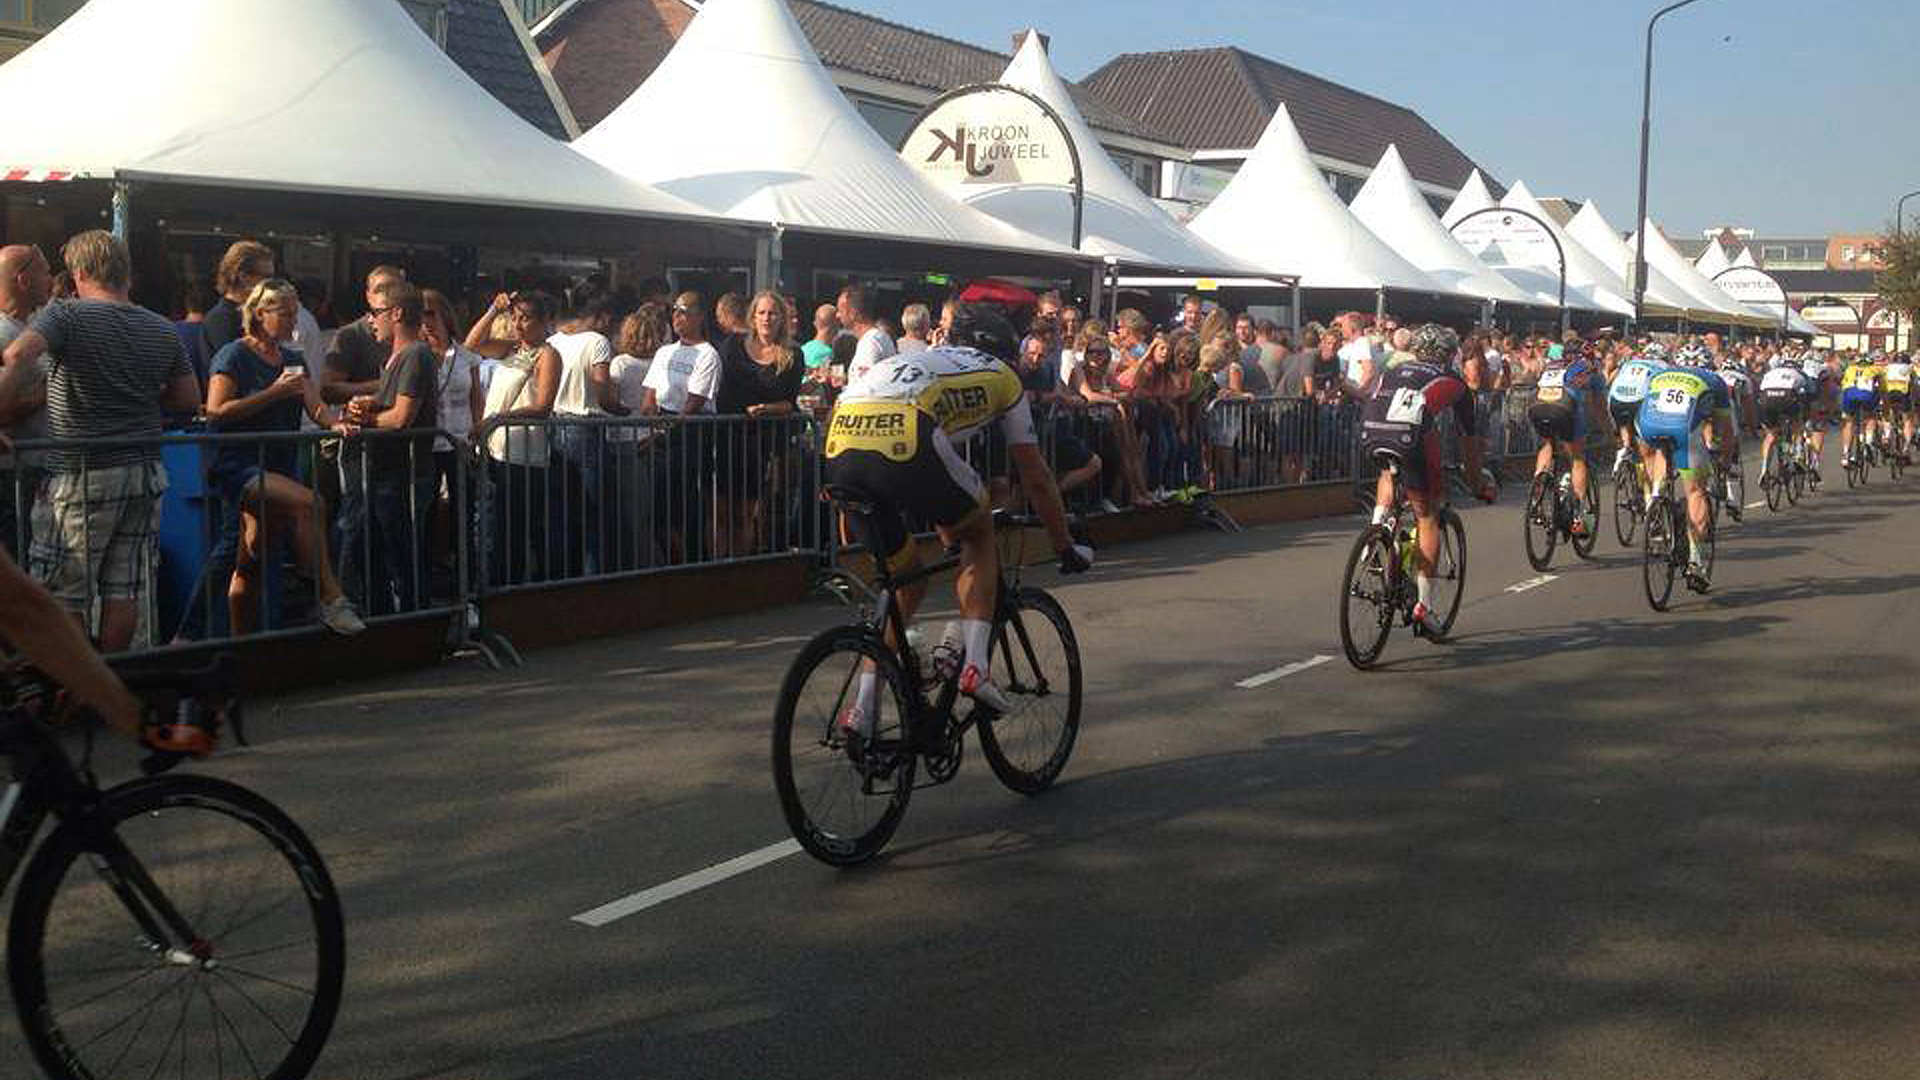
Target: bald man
{"points": [[826, 327], [25, 283]]}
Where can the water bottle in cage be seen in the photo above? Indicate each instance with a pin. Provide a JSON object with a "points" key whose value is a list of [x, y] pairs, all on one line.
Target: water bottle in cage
{"points": [[948, 654]]}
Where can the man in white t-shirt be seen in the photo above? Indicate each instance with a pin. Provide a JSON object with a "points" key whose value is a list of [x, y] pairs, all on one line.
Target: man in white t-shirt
{"points": [[1360, 356], [26, 281], [856, 314], [685, 374]]}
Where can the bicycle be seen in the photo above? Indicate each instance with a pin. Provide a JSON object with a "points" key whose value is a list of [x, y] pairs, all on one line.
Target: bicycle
{"points": [[1549, 515], [166, 902], [1731, 484], [1859, 460], [820, 769], [1782, 476], [1380, 575], [1629, 497], [1667, 541]]}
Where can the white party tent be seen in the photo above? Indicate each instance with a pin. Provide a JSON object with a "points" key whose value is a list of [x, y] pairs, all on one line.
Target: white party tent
{"points": [[1745, 258], [1713, 260], [1118, 221], [1279, 211], [1586, 274], [348, 97], [742, 120], [1542, 283], [1394, 210], [1592, 231], [1664, 258]]}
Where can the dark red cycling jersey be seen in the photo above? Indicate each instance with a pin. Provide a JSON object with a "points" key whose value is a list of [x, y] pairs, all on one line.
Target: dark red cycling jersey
{"points": [[1399, 417]]}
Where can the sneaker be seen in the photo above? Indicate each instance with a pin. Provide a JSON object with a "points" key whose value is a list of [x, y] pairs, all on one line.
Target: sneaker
{"points": [[1107, 506], [975, 684], [338, 616], [1423, 622], [1619, 459], [855, 722]]}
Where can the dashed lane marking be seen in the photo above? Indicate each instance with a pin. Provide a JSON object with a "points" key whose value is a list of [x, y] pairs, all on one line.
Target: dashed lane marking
{"points": [[1756, 505], [1532, 583], [1279, 673], [681, 886]]}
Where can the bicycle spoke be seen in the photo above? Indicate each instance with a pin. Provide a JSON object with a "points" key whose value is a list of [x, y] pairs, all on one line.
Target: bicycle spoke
{"points": [[234, 1030], [224, 977]]}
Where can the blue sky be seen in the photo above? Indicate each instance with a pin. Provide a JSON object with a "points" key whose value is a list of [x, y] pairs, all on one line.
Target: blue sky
{"points": [[1791, 118]]}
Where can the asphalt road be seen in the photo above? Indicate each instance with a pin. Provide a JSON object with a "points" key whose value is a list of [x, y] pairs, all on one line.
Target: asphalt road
{"points": [[1584, 840]]}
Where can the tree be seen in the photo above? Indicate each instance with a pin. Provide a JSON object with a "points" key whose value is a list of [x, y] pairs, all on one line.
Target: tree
{"points": [[1899, 283]]}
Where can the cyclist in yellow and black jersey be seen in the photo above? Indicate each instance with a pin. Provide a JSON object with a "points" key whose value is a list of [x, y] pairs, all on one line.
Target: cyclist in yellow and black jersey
{"points": [[894, 438], [1897, 383], [1860, 387]]}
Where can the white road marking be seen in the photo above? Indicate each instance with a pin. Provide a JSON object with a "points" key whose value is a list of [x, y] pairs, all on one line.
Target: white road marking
{"points": [[1279, 673], [1756, 505], [681, 886], [1532, 583]]}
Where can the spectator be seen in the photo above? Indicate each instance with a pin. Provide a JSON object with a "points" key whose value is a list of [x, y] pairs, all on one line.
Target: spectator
{"points": [[1254, 380], [1274, 349], [258, 385], [1193, 311], [1110, 422], [640, 337], [729, 317], [400, 475], [760, 376], [463, 400], [682, 381], [519, 396], [111, 369], [26, 282], [352, 370], [1360, 356], [1153, 386], [1073, 462], [196, 299], [247, 263], [1071, 321], [818, 351], [916, 324], [1130, 339], [1223, 404], [577, 518], [857, 315]]}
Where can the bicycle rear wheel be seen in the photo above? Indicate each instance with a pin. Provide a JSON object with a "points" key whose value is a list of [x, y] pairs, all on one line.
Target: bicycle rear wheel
{"points": [[1657, 564], [843, 793], [1773, 479], [200, 934], [1541, 521], [1037, 664], [1627, 504], [1449, 571], [1584, 543], [1367, 597]]}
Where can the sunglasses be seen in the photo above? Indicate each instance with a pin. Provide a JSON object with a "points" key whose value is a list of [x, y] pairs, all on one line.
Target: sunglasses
{"points": [[680, 310]]}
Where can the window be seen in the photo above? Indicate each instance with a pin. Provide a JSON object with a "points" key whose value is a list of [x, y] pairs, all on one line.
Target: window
{"points": [[1773, 254], [1143, 171], [1846, 252], [432, 17], [891, 121]]}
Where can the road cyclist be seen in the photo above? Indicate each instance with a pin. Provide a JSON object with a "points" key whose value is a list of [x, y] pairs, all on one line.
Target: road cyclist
{"points": [[1685, 407], [1784, 398], [1897, 384], [1624, 395], [1814, 365], [1860, 385]]}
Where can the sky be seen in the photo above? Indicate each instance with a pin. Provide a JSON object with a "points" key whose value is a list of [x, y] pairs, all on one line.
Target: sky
{"points": [[1793, 119]]}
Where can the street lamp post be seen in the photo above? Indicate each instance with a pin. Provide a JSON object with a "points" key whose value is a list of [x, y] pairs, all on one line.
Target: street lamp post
{"points": [[1899, 223], [1646, 123]]}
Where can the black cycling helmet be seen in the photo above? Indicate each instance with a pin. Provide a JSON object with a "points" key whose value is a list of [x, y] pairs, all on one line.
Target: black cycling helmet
{"points": [[1435, 344], [977, 326]]}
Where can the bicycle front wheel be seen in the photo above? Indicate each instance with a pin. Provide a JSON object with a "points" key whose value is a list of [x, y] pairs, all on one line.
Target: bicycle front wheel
{"points": [[1037, 664], [187, 927], [1367, 597], [1449, 571], [843, 786], [1541, 521]]}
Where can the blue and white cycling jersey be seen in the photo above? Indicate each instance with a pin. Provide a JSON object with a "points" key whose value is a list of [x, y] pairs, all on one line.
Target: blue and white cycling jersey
{"points": [[1630, 382]]}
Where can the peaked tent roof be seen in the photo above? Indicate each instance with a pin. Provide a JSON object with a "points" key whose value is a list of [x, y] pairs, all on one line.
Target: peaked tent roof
{"points": [[1745, 258], [1585, 272], [1119, 221], [349, 76], [1591, 229], [810, 161], [1663, 257], [1472, 198], [1392, 207], [1278, 209], [1713, 260]]}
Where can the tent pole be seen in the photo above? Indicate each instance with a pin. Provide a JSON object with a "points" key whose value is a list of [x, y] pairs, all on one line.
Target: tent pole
{"points": [[1379, 303], [1096, 295], [1299, 319], [122, 210]]}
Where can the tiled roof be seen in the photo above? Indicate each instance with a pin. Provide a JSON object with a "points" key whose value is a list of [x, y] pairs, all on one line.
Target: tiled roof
{"points": [[1223, 98], [844, 39], [483, 41]]}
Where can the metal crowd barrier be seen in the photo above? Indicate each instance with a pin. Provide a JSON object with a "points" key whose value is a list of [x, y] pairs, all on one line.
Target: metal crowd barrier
{"points": [[424, 523]]}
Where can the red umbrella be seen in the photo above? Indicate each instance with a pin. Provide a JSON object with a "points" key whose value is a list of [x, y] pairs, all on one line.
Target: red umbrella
{"points": [[1005, 293]]}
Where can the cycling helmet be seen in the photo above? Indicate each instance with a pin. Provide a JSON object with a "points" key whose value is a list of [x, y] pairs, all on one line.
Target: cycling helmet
{"points": [[982, 328], [1654, 351], [1434, 343], [1692, 354]]}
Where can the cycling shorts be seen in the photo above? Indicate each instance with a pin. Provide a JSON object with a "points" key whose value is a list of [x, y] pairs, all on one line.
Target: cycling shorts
{"points": [[1624, 413], [1418, 452], [1779, 409], [1856, 401], [1565, 421], [1898, 401], [898, 457], [1685, 440]]}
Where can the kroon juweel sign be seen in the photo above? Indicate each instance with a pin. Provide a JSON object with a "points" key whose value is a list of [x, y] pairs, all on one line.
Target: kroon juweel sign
{"points": [[990, 136]]}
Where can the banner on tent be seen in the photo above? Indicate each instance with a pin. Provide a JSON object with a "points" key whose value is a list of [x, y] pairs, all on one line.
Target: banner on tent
{"points": [[991, 136], [1508, 240], [1751, 285]]}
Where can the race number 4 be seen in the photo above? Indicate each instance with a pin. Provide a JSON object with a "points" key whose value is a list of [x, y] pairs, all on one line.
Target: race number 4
{"points": [[1409, 406]]}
